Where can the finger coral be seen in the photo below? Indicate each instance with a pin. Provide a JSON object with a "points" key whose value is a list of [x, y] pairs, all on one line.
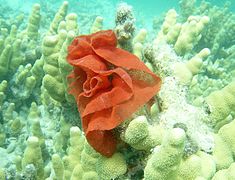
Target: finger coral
{"points": [[75, 106], [109, 84]]}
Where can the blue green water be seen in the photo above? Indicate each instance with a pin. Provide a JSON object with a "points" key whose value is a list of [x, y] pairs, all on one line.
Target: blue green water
{"points": [[146, 8]]}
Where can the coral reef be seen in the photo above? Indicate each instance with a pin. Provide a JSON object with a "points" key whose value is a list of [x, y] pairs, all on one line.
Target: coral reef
{"points": [[184, 132]]}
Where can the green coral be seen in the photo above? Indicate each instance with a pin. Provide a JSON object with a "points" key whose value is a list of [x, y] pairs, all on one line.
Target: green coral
{"points": [[221, 103], [58, 167], [140, 135], [226, 132], [35, 104], [33, 155], [110, 168], [2, 174], [190, 34], [164, 162], [222, 153], [4, 60], [54, 52], [3, 87], [225, 174], [34, 22]]}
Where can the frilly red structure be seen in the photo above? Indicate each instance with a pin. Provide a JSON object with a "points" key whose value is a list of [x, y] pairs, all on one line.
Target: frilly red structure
{"points": [[109, 84]]}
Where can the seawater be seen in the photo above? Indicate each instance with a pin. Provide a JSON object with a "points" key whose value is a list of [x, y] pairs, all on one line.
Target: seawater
{"points": [[145, 10]]}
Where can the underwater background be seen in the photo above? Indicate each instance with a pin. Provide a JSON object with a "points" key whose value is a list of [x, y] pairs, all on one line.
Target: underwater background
{"points": [[110, 89]]}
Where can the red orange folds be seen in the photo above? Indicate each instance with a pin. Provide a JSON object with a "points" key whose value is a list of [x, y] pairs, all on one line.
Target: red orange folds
{"points": [[109, 84]]}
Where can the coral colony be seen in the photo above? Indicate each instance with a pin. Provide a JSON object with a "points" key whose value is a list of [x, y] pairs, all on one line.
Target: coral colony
{"points": [[118, 103]]}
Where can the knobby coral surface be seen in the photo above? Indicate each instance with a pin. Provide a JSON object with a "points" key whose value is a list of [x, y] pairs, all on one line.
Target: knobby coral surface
{"points": [[185, 132]]}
